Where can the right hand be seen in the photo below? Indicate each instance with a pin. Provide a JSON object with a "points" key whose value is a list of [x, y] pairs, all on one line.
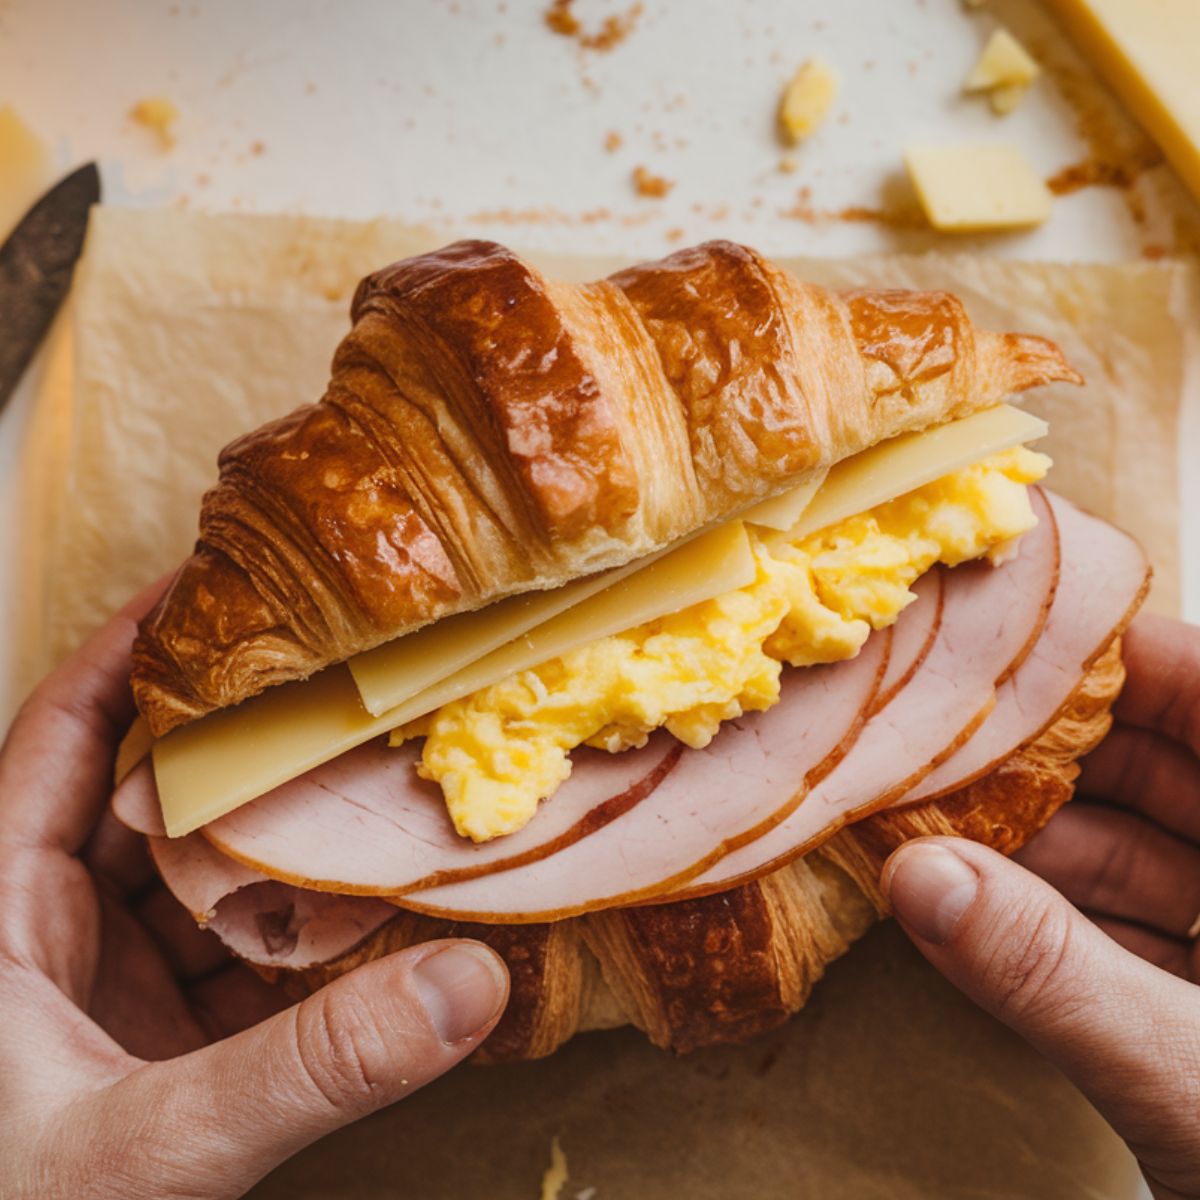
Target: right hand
{"points": [[1112, 1000], [131, 1063]]}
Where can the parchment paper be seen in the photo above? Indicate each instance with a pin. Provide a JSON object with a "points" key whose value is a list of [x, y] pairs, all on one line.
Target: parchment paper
{"points": [[190, 329]]}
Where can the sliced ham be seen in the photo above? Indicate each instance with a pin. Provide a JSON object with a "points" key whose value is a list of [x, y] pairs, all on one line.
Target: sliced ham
{"points": [[273, 924], [265, 922], [912, 637], [135, 802], [367, 824], [750, 776], [197, 875], [990, 618], [1103, 577]]}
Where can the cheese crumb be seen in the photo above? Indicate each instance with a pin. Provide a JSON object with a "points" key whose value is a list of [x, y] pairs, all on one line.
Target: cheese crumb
{"points": [[1004, 99], [965, 189], [555, 1177], [648, 184], [1004, 71], [806, 100], [157, 114]]}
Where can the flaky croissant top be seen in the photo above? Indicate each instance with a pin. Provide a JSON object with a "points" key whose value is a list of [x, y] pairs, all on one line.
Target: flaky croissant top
{"points": [[487, 431]]}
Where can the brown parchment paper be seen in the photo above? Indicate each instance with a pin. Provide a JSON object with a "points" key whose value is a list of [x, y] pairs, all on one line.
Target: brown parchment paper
{"points": [[189, 329]]}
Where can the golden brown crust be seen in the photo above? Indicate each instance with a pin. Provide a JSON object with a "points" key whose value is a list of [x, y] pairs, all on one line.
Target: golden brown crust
{"points": [[726, 967], [487, 432]]}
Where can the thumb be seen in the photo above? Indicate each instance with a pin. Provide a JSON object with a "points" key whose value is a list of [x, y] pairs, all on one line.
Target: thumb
{"points": [[1125, 1032], [226, 1114]]}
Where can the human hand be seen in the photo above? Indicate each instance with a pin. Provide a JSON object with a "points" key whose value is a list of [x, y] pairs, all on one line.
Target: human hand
{"points": [[1111, 1000], [136, 1059]]}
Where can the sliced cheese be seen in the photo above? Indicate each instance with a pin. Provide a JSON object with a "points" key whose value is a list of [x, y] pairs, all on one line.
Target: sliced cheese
{"points": [[965, 189], [1146, 52], [692, 571], [212, 766], [398, 670], [912, 460], [782, 512], [135, 745]]}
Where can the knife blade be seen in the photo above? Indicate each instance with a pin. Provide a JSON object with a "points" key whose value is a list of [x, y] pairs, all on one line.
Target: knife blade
{"points": [[36, 264]]}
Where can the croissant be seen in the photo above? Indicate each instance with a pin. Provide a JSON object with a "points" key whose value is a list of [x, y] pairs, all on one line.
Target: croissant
{"points": [[725, 967], [487, 432]]}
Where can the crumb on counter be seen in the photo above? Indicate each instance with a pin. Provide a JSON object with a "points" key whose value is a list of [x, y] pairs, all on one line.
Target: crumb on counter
{"points": [[613, 141], [258, 148], [613, 30], [646, 183], [158, 115], [555, 1177], [788, 164], [806, 100]]}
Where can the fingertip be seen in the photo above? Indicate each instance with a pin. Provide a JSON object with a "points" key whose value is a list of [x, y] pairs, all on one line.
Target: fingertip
{"points": [[463, 987], [930, 887]]}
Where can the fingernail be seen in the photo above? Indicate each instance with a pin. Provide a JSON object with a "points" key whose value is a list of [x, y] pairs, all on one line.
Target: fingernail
{"points": [[930, 888], [462, 987]]}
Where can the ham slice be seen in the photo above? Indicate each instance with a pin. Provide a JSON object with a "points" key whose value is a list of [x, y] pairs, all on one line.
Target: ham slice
{"points": [[135, 802], [1103, 578], [752, 774], [913, 636], [367, 824], [991, 616], [264, 922], [198, 876]]}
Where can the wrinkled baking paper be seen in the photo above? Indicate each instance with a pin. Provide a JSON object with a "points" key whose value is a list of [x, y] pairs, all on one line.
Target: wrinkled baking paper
{"points": [[190, 329]]}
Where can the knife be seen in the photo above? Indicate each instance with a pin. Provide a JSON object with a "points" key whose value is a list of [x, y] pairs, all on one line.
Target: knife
{"points": [[36, 264]]}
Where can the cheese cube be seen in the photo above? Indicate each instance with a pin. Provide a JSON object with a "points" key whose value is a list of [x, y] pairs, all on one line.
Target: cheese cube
{"points": [[967, 188], [807, 100], [1004, 61]]}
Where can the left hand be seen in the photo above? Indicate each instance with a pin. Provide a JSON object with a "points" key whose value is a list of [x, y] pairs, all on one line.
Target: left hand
{"points": [[136, 1058]]}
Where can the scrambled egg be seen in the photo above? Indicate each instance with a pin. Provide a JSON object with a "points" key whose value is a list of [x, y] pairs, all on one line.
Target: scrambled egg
{"points": [[499, 751]]}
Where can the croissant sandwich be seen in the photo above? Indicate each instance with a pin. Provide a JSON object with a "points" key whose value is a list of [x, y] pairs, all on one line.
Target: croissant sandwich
{"points": [[626, 626]]}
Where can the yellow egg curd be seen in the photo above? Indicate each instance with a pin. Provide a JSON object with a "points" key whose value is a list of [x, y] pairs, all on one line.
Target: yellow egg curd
{"points": [[501, 750]]}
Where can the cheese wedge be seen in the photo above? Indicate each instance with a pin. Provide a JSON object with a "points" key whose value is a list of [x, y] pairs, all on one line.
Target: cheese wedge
{"points": [[214, 765]]}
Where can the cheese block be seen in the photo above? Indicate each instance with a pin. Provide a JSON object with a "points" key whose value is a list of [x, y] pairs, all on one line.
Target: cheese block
{"points": [[212, 766], [398, 670], [782, 512], [912, 460], [1146, 52], [966, 189]]}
